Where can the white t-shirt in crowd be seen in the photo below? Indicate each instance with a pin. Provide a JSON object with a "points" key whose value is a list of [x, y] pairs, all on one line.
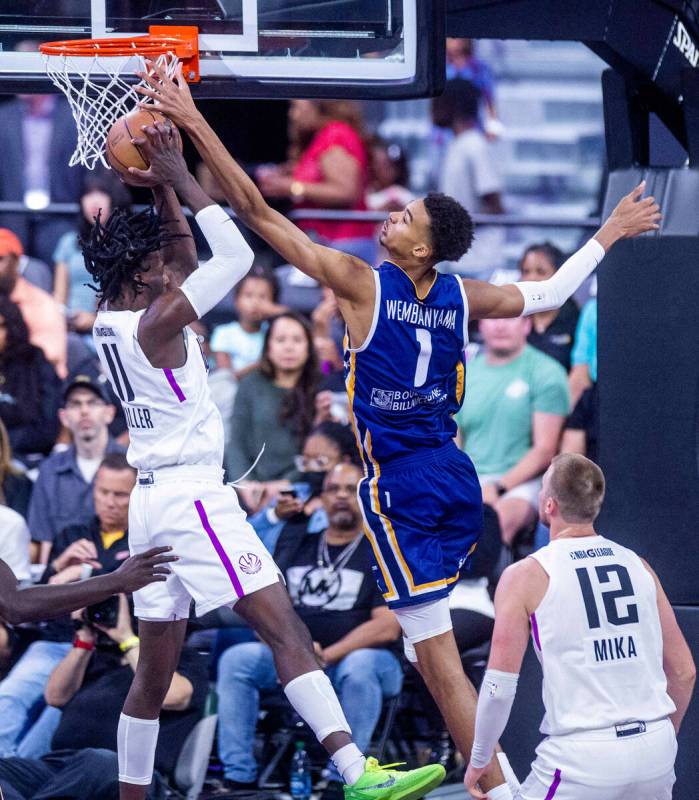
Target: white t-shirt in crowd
{"points": [[243, 347], [14, 543], [88, 467], [469, 172]]}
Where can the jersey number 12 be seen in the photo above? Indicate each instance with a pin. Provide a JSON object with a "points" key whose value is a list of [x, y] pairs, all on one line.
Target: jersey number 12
{"points": [[609, 597]]}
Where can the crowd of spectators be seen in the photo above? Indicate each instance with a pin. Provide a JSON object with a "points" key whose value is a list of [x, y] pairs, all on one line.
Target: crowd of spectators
{"points": [[274, 351]]}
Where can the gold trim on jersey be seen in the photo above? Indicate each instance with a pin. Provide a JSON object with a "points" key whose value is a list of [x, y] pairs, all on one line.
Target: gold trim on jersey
{"points": [[460, 381], [417, 294], [391, 593]]}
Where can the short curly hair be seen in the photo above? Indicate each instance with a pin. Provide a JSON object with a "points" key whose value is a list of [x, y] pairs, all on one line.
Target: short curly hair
{"points": [[451, 225]]}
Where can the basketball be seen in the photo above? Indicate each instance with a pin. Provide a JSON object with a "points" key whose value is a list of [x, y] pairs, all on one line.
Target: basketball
{"points": [[121, 153]]}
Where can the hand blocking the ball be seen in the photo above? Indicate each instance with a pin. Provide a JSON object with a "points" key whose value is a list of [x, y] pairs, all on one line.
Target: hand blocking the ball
{"points": [[145, 149]]}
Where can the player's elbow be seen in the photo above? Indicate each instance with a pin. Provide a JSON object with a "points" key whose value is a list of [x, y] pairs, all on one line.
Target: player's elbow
{"points": [[10, 613], [682, 672]]}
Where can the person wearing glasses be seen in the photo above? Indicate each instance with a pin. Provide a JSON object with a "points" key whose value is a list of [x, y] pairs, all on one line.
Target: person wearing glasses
{"points": [[329, 577]]}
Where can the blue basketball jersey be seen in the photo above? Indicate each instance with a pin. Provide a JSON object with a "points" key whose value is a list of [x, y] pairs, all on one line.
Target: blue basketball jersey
{"points": [[406, 381]]}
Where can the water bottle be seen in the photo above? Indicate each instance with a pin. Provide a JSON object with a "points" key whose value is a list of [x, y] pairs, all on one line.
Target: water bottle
{"points": [[300, 782]]}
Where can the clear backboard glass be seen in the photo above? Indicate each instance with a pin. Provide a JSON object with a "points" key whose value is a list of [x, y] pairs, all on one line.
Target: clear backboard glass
{"points": [[250, 47]]}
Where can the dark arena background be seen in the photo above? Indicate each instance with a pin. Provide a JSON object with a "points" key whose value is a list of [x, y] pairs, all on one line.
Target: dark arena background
{"points": [[572, 104]]}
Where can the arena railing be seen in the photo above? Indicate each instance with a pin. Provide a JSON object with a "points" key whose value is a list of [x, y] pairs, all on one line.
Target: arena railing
{"points": [[340, 215]]}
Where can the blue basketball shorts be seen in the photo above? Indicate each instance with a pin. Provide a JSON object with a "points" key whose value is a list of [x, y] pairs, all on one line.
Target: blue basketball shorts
{"points": [[423, 516]]}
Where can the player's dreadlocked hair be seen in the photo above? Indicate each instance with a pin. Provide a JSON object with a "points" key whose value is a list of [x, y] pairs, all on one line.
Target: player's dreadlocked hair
{"points": [[114, 251], [452, 227]]}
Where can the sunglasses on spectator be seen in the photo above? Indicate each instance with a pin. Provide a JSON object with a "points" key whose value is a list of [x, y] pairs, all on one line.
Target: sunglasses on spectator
{"points": [[313, 464]]}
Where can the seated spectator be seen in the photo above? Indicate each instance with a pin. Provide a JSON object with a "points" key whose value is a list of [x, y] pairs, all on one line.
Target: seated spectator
{"points": [[99, 545], [330, 170], [63, 490], [553, 332], [329, 577], [31, 390], [470, 174], [511, 420], [462, 62], [389, 179], [41, 313], [274, 407], [581, 432], [237, 346], [101, 193], [584, 357], [326, 446], [90, 685], [15, 486]]}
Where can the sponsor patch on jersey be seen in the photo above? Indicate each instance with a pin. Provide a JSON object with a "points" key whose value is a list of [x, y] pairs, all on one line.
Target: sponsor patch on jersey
{"points": [[103, 330], [405, 400], [249, 563], [591, 552]]}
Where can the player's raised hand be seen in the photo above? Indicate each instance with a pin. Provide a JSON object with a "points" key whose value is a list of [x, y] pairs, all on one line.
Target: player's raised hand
{"points": [[170, 96], [161, 146], [471, 779], [142, 569], [635, 214]]}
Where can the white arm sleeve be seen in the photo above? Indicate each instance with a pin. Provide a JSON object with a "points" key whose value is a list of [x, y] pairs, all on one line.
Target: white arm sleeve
{"points": [[231, 261], [494, 705], [553, 292]]}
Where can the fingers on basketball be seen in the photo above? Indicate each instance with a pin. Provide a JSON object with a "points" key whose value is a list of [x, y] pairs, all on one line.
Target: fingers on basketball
{"points": [[123, 153]]}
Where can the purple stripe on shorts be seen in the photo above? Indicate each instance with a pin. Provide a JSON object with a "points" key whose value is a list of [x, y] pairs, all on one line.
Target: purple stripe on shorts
{"points": [[174, 385], [535, 632], [218, 547], [553, 788]]}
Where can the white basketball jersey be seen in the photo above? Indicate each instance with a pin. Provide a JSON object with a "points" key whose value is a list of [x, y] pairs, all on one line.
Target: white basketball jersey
{"points": [[597, 636], [171, 417]]}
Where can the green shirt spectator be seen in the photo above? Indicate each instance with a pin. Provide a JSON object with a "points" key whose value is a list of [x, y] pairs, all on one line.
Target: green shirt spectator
{"points": [[497, 416]]}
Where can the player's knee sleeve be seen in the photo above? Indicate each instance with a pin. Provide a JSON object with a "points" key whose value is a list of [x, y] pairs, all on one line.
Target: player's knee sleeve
{"points": [[314, 699], [136, 741], [422, 622]]}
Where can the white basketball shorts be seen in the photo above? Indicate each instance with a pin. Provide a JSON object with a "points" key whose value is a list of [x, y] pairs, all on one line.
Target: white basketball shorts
{"points": [[221, 558], [599, 765]]}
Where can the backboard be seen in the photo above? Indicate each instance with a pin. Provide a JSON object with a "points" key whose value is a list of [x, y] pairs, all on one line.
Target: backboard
{"points": [[251, 48]]}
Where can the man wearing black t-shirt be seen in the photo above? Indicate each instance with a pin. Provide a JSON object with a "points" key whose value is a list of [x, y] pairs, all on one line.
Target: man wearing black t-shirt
{"points": [[330, 580], [90, 686]]}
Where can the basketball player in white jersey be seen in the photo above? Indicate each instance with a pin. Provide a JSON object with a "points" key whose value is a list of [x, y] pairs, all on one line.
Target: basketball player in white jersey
{"points": [[145, 268], [617, 672]]}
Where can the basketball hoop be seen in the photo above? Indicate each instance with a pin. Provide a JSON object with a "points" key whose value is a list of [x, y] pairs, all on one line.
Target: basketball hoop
{"points": [[97, 77]]}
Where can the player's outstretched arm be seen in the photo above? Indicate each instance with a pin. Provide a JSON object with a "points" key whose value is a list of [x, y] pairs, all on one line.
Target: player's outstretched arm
{"points": [[349, 277], [45, 602], [678, 664], [180, 253], [519, 591], [632, 216]]}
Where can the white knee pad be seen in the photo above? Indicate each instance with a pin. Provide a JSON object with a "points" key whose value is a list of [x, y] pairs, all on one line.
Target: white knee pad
{"points": [[422, 622], [314, 699], [136, 741]]}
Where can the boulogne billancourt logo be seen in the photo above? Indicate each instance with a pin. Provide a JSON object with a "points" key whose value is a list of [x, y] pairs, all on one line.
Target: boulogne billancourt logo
{"points": [[250, 563], [405, 399]]}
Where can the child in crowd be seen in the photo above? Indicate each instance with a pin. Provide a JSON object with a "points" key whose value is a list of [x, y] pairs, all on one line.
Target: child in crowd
{"points": [[237, 346]]}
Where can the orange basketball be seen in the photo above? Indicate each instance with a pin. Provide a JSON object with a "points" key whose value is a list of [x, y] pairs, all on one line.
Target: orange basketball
{"points": [[121, 153]]}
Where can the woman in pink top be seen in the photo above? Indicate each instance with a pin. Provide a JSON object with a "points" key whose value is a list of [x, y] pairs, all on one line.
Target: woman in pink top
{"points": [[330, 169]]}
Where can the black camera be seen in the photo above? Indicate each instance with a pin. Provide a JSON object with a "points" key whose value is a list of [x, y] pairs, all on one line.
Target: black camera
{"points": [[104, 614]]}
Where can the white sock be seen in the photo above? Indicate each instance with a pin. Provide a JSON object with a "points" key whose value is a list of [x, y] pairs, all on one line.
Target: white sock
{"points": [[501, 792], [349, 762], [508, 772], [313, 697], [136, 741]]}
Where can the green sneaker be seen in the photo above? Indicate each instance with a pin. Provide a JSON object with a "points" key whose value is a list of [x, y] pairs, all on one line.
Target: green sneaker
{"points": [[382, 783]]}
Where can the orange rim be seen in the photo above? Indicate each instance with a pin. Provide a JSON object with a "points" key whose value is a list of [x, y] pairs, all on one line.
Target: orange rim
{"points": [[182, 41]]}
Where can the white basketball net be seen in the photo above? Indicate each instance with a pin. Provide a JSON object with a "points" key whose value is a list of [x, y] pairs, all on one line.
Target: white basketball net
{"points": [[97, 104]]}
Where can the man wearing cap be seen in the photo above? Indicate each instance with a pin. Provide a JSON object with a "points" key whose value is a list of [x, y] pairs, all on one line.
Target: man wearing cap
{"points": [[63, 490], [46, 323]]}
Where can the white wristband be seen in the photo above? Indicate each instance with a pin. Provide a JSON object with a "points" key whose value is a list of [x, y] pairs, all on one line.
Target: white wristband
{"points": [[553, 292], [494, 706], [231, 260]]}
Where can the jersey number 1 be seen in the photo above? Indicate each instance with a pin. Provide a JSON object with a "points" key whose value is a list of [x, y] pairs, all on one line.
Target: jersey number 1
{"points": [[424, 339]]}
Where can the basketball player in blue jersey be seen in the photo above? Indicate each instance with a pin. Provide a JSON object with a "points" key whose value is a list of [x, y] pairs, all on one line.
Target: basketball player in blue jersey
{"points": [[405, 374]]}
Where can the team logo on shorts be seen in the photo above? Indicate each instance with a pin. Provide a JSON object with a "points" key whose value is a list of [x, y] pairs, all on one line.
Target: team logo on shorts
{"points": [[250, 563]]}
